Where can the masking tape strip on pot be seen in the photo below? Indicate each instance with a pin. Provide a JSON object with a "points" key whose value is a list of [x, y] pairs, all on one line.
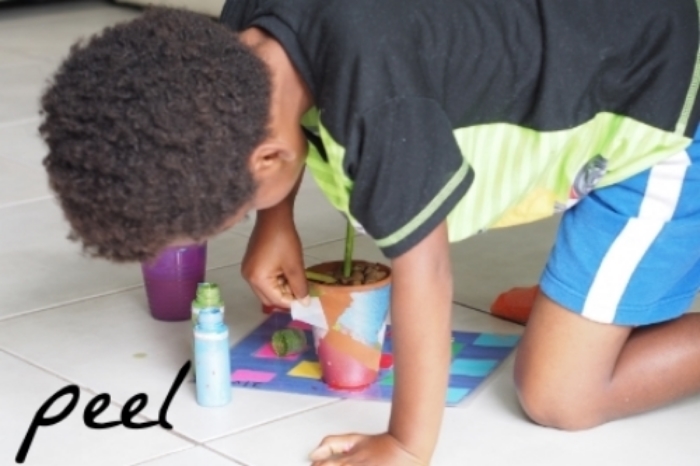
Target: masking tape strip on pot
{"points": [[366, 355]]}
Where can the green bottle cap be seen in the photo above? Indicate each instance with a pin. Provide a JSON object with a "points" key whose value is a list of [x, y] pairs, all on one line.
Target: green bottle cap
{"points": [[208, 295]]}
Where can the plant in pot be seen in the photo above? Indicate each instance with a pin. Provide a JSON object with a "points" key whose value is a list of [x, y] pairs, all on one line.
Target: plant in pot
{"points": [[355, 298]]}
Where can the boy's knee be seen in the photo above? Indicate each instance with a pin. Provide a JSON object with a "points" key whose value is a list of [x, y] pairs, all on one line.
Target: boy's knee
{"points": [[553, 404]]}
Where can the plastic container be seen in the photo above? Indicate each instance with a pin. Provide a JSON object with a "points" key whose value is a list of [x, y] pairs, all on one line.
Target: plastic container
{"points": [[171, 281], [211, 359]]}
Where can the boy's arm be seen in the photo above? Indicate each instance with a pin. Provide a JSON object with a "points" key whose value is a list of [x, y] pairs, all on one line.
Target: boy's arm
{"points": [[274, 254], [420, 318], [421, 329]]}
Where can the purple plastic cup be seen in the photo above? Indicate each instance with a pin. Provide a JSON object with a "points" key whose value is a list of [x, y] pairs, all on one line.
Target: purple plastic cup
{"points": [[171, 281]]}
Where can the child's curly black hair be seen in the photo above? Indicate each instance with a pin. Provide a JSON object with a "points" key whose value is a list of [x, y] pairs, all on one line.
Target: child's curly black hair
{"points": [[150, 125]]}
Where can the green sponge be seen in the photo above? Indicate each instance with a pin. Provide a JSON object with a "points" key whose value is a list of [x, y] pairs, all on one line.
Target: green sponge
{"points": [[288, 341]]}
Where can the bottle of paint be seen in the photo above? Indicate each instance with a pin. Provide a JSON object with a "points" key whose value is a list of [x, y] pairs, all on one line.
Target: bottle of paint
{"points": [[212, 359], [208, 296]]}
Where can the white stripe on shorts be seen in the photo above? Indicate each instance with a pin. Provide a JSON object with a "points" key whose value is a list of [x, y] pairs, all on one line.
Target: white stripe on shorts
{"points": [[626, 252]]}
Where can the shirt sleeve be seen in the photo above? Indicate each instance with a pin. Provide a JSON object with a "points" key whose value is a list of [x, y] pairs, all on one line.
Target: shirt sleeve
{"points": [[408, 173], [237, 14]]}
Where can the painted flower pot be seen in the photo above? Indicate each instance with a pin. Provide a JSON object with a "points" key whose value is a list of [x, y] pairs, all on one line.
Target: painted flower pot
{"points": [[350, 350]]}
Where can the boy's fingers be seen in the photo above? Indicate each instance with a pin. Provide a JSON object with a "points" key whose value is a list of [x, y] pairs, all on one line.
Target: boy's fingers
{"points": [[334, 445], [261, 295], [280, 290], [296, 280]]}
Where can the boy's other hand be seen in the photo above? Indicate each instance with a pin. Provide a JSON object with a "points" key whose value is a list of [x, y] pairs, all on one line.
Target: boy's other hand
{"points": [[365, 450], [274, 264]]}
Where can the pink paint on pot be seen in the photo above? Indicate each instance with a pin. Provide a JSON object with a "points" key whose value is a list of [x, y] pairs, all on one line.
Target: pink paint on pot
{"points": [[341, 371]]}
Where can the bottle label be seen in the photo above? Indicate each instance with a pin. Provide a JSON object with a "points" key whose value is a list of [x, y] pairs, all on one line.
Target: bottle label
{"points": [[212, 369]]}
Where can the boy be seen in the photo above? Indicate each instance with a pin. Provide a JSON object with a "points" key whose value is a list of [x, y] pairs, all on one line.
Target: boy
{"points": [[438, 119]]}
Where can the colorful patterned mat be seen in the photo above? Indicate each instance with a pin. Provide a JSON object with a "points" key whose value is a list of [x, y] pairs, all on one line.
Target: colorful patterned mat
{"points": [[254, 365]]}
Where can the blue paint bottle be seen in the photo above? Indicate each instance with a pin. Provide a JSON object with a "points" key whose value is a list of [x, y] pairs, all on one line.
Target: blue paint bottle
{"points": [[211, 358]]}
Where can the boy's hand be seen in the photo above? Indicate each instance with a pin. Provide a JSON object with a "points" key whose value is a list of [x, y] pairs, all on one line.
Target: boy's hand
{"points": [[365, 450], [274, 264]]}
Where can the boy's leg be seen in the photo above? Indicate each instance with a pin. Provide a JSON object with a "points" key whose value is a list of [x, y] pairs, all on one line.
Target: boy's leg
{"points": [[573, 373], [607, 337]]}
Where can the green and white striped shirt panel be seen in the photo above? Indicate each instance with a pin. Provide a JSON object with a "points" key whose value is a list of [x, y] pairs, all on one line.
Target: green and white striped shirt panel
{"points": [[521, 175], [329, 175]]}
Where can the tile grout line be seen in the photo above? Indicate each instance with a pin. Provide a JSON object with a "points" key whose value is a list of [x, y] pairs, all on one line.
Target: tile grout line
{"points": [[177, 452], [272, 421], [19, 122], [223, 455], [68, 303], [474, 308], [32, 166], [26, 201], [478, 309], [104, 294], [163, 456], [468, 306], [44, 369]]}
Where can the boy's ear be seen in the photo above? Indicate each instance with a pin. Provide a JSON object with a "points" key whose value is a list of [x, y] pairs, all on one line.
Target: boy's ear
{"points": [[268, 159]]}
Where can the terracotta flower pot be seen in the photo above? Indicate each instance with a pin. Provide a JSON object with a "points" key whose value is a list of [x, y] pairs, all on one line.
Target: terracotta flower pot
{"points": [[350, 350]]}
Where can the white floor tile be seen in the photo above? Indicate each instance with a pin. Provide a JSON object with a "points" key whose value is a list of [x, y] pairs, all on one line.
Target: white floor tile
{"points": [[192, 457], [488, 264], [48, 32], [35, 41], [297, 436], [41, 268], [111, 344], [10, 58], [20, 183], [21, 142], [21, 88], [25, 388], [489, 430]]}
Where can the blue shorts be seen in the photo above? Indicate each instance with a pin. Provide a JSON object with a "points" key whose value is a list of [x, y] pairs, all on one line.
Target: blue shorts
{"points": [[629, 254]]}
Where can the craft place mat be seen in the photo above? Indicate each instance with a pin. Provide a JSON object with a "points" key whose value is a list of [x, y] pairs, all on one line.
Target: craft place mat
{"points": [[254, 365]]}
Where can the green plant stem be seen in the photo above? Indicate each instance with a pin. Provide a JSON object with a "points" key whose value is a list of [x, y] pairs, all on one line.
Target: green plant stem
{"points": [[349, 247], [320, 277]]}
